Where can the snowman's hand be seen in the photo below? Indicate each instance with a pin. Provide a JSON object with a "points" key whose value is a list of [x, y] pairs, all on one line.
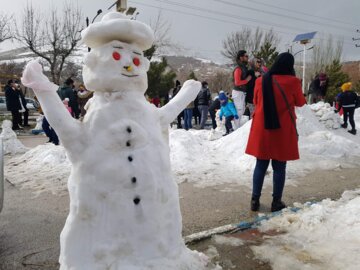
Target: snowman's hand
{"points": [[187, 94], [191, 85], [34, 78]]}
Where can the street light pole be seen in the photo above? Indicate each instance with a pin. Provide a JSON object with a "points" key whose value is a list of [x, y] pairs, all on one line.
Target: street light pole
{"points": [[303, 79]]}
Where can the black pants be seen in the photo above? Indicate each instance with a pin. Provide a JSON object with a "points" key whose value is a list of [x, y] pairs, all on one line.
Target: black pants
{"points": [[26, 118], [228, 124], [349, 112], [16, 119], [50, 132], [181, 115], [213, 121]]}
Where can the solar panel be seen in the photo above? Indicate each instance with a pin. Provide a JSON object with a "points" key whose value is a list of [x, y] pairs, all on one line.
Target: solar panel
{"points": [[305, 36]]}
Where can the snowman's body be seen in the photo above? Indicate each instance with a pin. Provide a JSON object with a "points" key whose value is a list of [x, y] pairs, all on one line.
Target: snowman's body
{"points": [[125, 232], [124, 203]]}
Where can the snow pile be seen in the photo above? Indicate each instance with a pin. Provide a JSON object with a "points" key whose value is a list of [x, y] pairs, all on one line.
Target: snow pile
{"points": [[39, 121], [327, 115], [318, 237], [10, 142], [43, 168]]}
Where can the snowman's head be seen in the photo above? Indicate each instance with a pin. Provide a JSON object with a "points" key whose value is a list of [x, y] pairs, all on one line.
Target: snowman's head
{"points": [[116, 66], [116, 61]]}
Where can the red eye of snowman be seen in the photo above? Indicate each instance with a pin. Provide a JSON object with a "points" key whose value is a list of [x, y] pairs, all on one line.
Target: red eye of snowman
{"points": [[136, 61], [116, 56]]}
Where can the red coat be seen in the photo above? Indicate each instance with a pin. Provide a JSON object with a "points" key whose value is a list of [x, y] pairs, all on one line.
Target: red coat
{"points": [[279, 144]]}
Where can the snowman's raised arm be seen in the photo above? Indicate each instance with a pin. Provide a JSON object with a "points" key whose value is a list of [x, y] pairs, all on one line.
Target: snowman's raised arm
{"points": [[187, 93], [58, 116]]}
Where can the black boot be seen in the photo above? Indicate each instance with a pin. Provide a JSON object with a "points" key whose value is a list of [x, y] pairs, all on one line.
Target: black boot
{"points": [[277, 205], [344, 125], [255, 204], [353, 131]]}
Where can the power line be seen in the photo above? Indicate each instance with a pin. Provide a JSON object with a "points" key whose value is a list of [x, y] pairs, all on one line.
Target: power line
{"points": [[208, 18], [279, 14], [174, 3], [302, 13]]}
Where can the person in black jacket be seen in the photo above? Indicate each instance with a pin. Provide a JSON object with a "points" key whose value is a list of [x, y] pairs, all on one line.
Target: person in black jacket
{"points": [[348, 101], [203, 99], [256, 70], [214, 106], [66, 91], [14, 103], [175, 92], [25, 113]]}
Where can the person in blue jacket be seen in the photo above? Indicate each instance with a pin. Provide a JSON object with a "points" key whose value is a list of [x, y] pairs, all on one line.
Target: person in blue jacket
{"points": [[228, 110]]}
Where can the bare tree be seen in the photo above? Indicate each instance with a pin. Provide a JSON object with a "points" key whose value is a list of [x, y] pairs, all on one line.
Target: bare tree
{"points": [[248, 40], [53, 38], [5, 29], [163, 42], [325, 52], [221, 80]]}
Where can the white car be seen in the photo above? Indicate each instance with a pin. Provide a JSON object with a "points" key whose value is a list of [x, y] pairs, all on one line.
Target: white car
{"points": [[1, 175], [31, 104]]}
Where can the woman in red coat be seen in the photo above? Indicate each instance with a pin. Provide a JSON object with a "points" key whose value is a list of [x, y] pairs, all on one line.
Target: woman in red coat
{"points": [[273, 135]]}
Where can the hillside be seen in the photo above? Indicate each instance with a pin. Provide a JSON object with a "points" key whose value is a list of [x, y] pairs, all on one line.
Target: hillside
{"points": [[353, 69]]}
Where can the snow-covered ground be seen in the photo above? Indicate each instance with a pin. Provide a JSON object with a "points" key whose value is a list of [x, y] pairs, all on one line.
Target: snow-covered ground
{"points": [[322, 236], [205, 158]]}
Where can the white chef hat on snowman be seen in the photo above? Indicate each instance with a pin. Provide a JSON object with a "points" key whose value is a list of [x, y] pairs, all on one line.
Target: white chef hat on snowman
{"points": [[118, 26]]}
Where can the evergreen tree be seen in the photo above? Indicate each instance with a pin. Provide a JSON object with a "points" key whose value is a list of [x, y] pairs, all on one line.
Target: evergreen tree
{"points": [[150, 52], [336, 78], [268, 53], [192, 76], [160, 79]]}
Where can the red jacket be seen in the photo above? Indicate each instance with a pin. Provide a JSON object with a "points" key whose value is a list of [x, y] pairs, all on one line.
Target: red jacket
{"points": [[279, 144]]}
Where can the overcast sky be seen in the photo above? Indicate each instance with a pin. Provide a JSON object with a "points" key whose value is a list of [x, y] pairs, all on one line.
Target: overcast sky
{"points": [[200, 26]]}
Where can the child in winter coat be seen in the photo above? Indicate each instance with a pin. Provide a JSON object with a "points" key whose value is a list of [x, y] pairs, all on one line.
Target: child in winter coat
{"points": [[228, 110], [66, 103], [347, 101]]}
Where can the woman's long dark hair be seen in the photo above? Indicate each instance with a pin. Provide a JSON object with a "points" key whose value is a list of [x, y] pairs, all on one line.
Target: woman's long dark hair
{"points": [[283, 65]]}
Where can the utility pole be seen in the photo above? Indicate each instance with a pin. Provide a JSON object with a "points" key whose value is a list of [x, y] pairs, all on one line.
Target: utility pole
{"points": [[304, 39]]}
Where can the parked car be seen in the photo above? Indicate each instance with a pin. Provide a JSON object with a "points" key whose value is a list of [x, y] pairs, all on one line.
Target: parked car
{"points": [[32, 104]]}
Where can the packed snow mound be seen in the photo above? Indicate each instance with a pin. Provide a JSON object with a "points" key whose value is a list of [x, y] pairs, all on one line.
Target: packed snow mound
{"points": [[327, 115], [320, 236], [11, 144], [43, 168]]}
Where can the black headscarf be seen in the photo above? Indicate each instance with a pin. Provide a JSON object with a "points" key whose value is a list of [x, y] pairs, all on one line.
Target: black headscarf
{"points": [[283, 65]]}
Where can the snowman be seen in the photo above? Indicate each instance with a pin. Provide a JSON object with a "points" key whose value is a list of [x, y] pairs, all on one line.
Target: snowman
{"points": [[124, 204]]}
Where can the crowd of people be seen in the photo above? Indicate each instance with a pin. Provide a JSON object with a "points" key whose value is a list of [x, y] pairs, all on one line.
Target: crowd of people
{"points": [[244, 76], [74, 100], [270, 97]]}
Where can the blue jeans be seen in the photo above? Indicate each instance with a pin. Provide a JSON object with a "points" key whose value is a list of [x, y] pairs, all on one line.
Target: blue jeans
{"points": [[187, 118], [50, 132], [204, 114], [279, 168]]}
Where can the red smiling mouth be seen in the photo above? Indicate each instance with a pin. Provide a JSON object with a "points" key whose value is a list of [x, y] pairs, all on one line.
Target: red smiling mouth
{"points": [[129, 75]]}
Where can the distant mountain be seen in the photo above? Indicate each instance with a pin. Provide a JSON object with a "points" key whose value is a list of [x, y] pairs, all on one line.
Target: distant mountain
{"points": [[204, 69]]}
